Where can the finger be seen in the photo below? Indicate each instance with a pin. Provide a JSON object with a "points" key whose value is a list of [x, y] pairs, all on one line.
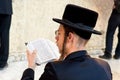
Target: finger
{"points": [[27, 51], [34, 53]]}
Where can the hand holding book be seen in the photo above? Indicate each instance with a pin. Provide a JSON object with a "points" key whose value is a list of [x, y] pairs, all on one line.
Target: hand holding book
{"points": [[31, 59], [46, 50]]}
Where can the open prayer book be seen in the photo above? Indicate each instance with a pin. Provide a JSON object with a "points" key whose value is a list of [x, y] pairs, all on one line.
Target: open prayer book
{"points": [[46, 50]]}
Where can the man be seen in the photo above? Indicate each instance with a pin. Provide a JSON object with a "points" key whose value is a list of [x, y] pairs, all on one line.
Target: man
{"points": [[113, 23], [5, 22], [73, 34]]}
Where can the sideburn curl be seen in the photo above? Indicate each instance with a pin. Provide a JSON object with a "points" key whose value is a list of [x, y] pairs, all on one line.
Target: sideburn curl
{"points": [[67, 31]]}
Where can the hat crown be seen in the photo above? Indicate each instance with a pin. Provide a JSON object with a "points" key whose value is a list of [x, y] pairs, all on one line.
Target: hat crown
{"points": [[81, 15]]}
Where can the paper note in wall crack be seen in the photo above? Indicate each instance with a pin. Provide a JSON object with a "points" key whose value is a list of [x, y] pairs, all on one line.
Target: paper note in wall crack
{"points": [[46, 50]]}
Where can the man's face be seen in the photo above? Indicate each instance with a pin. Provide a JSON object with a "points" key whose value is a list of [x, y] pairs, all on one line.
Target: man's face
{"points": [[60, 38]]}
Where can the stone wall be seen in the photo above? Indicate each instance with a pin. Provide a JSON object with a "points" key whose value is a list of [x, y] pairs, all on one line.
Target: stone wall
{"points": [[32, 19]]}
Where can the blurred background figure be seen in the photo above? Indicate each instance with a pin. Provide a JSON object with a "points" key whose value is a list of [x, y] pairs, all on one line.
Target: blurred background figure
{"points": [[113, 23], [5, 22]]}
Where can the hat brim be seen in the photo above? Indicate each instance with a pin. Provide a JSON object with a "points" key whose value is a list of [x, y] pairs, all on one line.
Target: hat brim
{"points": [[80, 27]]}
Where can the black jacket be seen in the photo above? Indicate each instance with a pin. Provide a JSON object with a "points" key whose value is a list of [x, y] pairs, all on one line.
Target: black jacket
{"points": [[76, 66], [6, 7]]}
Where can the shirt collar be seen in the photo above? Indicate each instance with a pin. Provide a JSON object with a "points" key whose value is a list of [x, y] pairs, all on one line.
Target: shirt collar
{"points": [[76, 54]]}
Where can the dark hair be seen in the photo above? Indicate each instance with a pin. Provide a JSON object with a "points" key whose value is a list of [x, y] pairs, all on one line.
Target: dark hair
{"points": [[117, 5], [83, 34], [68, 30]]}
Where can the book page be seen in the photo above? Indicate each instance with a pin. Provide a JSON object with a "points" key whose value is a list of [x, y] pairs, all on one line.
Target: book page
{"points": [[46, 50]]}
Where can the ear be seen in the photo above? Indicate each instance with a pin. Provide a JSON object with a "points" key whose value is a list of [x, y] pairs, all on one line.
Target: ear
{"points": [[70, 36]]}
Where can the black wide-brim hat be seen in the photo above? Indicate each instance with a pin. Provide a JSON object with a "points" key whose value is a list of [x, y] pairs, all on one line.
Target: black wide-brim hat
{"points": [[82, 20]]}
